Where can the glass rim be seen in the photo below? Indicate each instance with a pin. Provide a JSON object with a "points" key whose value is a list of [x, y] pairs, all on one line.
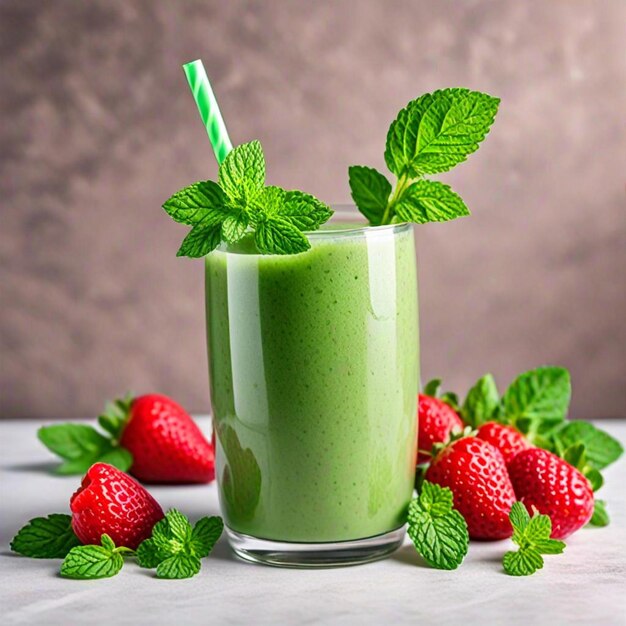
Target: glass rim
{"points": [[349, 213]]}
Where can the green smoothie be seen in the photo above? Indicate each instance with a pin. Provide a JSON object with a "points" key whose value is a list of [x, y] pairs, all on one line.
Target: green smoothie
{"points": [[314, 369]]}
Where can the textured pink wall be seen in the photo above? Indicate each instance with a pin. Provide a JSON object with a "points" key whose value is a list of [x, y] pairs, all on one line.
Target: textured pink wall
{"points": [[98, 128]]}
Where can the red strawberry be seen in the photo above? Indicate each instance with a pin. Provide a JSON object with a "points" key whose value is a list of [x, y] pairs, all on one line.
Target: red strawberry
{"points": [[554, 487], [436, 420], [110, 501], [506, 438], [475, 472], [166, 444]]}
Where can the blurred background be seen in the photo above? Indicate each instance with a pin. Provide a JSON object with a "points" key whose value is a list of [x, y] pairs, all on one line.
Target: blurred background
{"points": [[98, 128]]}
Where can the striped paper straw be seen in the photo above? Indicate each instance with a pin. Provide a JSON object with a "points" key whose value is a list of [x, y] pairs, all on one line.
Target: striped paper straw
{"points": [[209, 110]]}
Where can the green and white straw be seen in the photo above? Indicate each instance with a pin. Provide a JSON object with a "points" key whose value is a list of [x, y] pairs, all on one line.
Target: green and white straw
{"points": [[209, 110]]}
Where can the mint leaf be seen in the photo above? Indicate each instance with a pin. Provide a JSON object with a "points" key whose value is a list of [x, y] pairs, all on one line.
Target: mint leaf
{"points": [[202, 202], [178, 566], [49, 537], [234, 226], [370, 191], [175, 549], [532, 535], [304, 211], [537, 401], [200, 241], [438, 531], [240, 202], [481, 402], [431, 388], [437, 131], [178, 525], [601, 448], [600, 516], [429, 201], [149, 554], [299, 209], [242, 173], [206, 532], [524, 562], [276, 235], [86, 562], [520, 519]]}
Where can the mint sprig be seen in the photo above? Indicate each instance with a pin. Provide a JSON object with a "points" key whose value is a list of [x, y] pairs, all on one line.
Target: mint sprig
{"points": [[240, 205], [81, 445], [48, 537], [430, 135], [88, 562], [438, 531], [532, 535], [175, 547]]}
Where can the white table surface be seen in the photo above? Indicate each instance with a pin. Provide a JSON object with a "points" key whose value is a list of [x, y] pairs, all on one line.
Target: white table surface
{"points": [[585, 585]]}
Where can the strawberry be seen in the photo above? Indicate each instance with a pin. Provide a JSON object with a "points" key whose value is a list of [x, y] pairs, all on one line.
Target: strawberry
{"points": [[436, 421], [475, 472], [110, 501], [506, 438], [554, 487], [166, 444]]}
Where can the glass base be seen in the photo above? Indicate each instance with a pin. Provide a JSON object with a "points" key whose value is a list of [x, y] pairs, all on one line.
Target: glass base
{"points": [[310, 555]]}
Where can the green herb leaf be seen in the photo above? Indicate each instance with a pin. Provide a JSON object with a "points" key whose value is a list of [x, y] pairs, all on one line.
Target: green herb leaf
{"points": [[524, 562], [200, 241], [601, 448], [203, 202], [178, 525], [81, 446], [234, 226], [87, 562], [242, 173], [49, 537], [593, 476], [438, 531], [175, 549], [370, 191], [481, 402], [117, 457], [537, 401], [575, 456], [239, 202], [73, 441], [178, 566], [304, 211], [276, 235], [431, 388], [532, 535], [600, 516], [437, 131], [149, 554], [451, 399], [206, 532], [429, 201]]}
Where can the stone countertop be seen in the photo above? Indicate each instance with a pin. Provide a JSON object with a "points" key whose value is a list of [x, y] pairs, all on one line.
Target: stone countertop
{"points": [[585, 585]]}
